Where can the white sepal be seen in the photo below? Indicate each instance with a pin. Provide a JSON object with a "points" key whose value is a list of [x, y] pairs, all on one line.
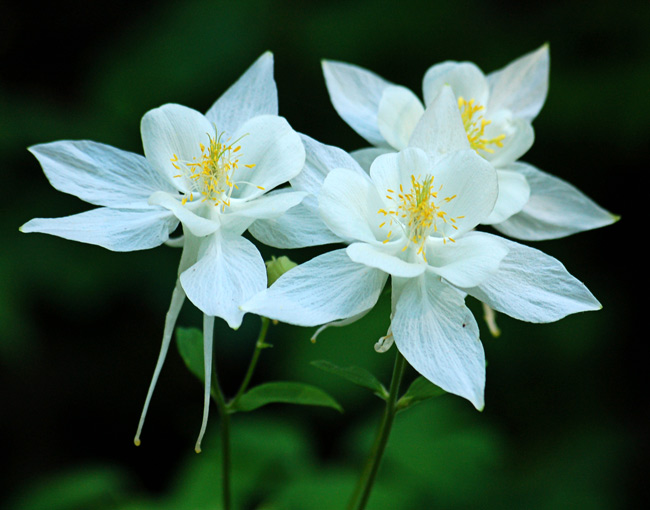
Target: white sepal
{"points": [[253, 94], [327, 288], [440, 130], [534, 287], [300, 227], [399, 112], [355, 93], [99, 174], [555, 209], [522, 85], [439, 337], [113, 229]]}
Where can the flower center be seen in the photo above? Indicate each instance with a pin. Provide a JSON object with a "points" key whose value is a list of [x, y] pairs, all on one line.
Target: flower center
{"points": [[211, 176], [475, 125], [418, 213]]}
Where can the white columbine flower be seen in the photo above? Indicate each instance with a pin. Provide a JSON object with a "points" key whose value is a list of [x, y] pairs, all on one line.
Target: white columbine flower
{"points": [[497, 111], [413, 218], [209, 172]]}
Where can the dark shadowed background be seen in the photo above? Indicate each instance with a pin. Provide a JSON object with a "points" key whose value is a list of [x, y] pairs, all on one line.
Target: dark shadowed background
{"points": [[565, 423]]}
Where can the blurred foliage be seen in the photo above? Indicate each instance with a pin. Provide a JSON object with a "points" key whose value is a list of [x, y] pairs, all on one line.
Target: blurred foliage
{"points": [[565, 424]]}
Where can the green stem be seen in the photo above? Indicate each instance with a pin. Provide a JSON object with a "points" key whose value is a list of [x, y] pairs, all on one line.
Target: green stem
{"points": [[366, 481], [225, 410], [261, 344], [225, 438]]}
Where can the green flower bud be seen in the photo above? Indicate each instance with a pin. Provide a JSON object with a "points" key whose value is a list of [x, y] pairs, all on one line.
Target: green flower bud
{"points": [[276, 267]]}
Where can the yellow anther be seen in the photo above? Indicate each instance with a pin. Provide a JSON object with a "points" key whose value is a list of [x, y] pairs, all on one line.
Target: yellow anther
{"points": [[475, 125], [212, 173], [418, 213]]}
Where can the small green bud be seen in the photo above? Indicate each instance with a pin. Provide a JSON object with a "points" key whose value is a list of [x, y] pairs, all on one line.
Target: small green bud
{"points": [[276, 267]]}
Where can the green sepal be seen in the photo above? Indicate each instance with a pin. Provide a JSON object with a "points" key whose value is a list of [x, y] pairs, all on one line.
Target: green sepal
{"points": [[420, 389], [284, 392], [190, 346], [356, 375]]}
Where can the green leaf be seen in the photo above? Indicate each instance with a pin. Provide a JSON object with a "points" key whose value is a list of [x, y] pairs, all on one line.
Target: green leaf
{"points": [[286, 393], [356, 375], [190, 347], [421, 389]]}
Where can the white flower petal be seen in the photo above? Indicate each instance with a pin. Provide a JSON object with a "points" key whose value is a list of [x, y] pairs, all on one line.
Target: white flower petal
{"points": [[382, 258], [441, 130], [514, 193], [329, 287], [398, 114], [469, 191], [390, 171], [275, 151], [174, 130], [555, 209], [439, 337], [534, 287], [228, 272], [99, 174], [522, 85], [519, 138], [465, 79], [320, 159], [270, 205], [366, 157], [253, 94], [349, 205], [114, 229], [355, 93], [468, 261], [241, 215], [198, 225], [299, 227]]}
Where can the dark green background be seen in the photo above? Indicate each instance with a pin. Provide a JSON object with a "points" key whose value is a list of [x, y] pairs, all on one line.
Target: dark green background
{"points": [[565, 423]]}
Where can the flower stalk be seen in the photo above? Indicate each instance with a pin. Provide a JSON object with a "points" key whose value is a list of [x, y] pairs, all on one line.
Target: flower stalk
{"points": [[259, 345], [225, 409], [364, 486], [224, 414]]}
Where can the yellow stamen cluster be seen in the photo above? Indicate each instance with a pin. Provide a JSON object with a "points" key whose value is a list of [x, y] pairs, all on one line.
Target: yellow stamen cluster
{"points": [[211, 175], [475, 125], [417, 214]]}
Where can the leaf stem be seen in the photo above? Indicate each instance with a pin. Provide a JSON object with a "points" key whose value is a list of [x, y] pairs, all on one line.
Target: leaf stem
{"points": [[366, 481]]}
